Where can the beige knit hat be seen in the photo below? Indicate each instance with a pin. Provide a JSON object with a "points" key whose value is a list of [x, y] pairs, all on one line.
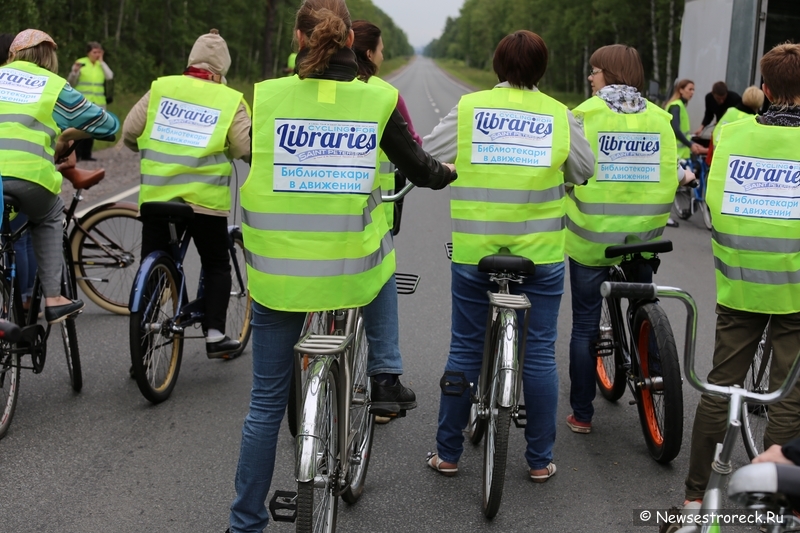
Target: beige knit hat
{"points": [[210, 52]]}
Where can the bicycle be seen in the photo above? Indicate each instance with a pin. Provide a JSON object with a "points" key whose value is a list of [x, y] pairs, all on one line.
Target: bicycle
{"points": [[639, 350], [721, 467], [334, 425], [33, 336], [495, 404], [769, 490], [160, 312], [690, 199], [756, 416]]}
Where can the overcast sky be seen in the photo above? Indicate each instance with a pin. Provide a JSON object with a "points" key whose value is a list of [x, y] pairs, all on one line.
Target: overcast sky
{"points": [[422, 20]]}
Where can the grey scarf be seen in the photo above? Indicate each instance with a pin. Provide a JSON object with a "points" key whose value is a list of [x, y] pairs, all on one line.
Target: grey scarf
{"points": [[622, 99]]}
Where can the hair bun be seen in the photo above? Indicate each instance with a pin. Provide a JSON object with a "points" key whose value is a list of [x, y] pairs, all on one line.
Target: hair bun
{"points": [[213, 31]]}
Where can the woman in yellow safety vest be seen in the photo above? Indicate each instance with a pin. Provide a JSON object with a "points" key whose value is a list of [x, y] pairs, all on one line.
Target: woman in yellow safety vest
{"points": [[88, 76], [315, 230], [514, 148]]}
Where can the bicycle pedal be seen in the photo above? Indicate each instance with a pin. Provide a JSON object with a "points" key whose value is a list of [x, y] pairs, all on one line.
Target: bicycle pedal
{"points": [[520, 417], [603, 347], [406, 283], [454, 383], [283, 506], [631, 402]]}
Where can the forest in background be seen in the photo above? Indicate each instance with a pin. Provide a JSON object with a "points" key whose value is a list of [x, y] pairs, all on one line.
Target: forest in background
{"points": [[572, 29], [145, 39]]}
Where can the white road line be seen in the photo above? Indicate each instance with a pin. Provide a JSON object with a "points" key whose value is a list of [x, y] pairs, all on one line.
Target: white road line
{"points": [[112, 199]]}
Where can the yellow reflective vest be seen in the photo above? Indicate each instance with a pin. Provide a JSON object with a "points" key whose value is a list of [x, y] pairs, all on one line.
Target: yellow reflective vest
{"points": [[92, 81], [731, 115], [684, 152], [183, 143], [631, 193], [509, 193], [385, 167], [314, 229], [28, 131], [754, 197]]}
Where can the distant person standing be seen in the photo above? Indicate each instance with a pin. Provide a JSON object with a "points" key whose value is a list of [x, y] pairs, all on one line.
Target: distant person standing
{"points": [[88, 77], [291, 61], [718, 101]]}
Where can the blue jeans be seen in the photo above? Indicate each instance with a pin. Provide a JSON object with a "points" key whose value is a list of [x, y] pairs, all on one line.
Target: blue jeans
{"points": [[274, 335], [539, 376], [584, 282], [25, 258]]}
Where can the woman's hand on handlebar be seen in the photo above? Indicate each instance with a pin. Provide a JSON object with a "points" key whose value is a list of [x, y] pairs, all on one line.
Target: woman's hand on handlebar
{"points": [[688, 177], [773, 454], [452, 168], [73, 134]]}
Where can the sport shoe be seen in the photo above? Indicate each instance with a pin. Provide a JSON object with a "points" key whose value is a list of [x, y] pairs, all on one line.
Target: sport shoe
{"points": [[578, 427], [390, 399], [227, 348]]}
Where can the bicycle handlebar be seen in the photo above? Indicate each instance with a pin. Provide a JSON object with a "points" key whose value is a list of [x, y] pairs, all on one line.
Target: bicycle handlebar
{"points": [[399, 195], [638, 291]]}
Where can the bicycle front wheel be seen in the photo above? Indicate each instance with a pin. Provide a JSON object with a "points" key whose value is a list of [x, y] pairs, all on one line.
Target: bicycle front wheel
{"points": [[9, 367], [362, 423], [659, 390], [756, 417], [683, 202], [106, 246], [706, 214], [69, 334], [239, 309], [610, 371], [156, 349], [317, 500]]}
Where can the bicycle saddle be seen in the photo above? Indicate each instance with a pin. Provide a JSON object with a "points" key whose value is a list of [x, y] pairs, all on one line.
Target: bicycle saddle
{"points": [[174, 210], [83, 179], [657, 247], [505, 262], [761, 481]]}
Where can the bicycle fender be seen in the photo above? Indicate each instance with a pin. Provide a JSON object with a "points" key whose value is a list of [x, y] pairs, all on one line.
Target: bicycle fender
{"points": [[137, 289], [110, 205], [507, 364], [314, 392]]}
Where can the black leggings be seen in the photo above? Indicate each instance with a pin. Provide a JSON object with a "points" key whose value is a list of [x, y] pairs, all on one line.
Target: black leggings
{"points": [[210, 236]]}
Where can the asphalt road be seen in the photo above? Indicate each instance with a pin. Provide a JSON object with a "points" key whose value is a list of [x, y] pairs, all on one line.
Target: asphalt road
{"points": [[105, 460]]}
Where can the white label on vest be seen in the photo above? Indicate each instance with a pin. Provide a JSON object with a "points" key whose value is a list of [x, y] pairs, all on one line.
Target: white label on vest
{"points": [[18, 87], [628, 157], [762, 188], [509, 137], [325, 156], [184, 123]]}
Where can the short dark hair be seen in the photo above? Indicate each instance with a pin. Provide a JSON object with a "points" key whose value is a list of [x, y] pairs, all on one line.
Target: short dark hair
{"points": [[719, 89], [780, 68], [521, 59], [92, 45], [5, 43], [367, 38], [621, 65]]}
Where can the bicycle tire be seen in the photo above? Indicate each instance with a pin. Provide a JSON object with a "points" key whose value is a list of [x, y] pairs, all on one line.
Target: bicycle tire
{"points": [[69, 333], [756, 417], [683, 202], [107, 245], [317, 505], [476, 426], [660, 408], [156, 370], [9, 368], [610, 369], [706, 214], [362, 422], [239, 307], [495, 458], [316, 323]]}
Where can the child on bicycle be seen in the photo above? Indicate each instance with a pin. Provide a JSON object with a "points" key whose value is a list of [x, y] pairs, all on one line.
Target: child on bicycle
{"points": [[753, 191], [527, 201], [188, 129]]}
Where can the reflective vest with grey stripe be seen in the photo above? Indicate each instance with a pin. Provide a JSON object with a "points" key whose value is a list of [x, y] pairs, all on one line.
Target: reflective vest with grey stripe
{"points": [[92, 81], [315, 231], [509, 193], [183, 143], [754, 198], [385, 168], [630, 195], [28, 131]]}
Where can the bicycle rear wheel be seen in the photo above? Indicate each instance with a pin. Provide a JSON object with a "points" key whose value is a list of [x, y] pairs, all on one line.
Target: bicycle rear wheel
{"points": [[756, 417], [238, 319], [9, 368], [156, 350], [317, 500], [660, 393], [362, 423], [683, 202], [476, 426], [105, 247], [69, 333], [706, 214], [610, 371], [316, 323]]}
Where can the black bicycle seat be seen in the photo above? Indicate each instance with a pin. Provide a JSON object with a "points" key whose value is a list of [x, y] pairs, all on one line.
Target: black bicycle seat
{"points": [[764, 479], [657, 247], [166, 210], [11, 202], [505, 262]]}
